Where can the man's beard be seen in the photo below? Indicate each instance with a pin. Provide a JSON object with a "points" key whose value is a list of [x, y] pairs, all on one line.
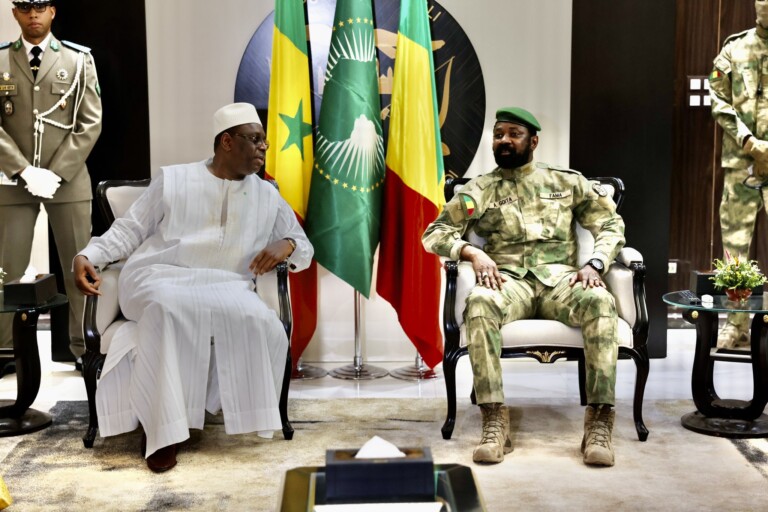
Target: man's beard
{"points": [[514, 159]]}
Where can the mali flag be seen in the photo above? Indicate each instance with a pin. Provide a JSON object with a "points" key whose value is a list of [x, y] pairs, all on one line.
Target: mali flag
{"points": [[345, 198], [289, 157], [408, 276]]}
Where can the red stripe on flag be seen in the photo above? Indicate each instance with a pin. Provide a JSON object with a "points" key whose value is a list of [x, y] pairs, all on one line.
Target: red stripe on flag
{"points": [[408, 276], [303, 309]]}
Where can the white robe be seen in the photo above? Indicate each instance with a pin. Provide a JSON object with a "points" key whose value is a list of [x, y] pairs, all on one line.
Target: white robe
{"points": [[189, 240]]}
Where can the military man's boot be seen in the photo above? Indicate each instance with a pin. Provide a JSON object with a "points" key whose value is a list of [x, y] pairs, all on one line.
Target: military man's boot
{"points": [[496, 441], [596, 445], [735, 332]]}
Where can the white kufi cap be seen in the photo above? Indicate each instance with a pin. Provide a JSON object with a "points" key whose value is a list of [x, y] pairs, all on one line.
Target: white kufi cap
{"points": [[234, 114]]}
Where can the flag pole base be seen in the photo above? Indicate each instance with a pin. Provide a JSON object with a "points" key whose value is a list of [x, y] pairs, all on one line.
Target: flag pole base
{"points": [[359, 372], [308, 372], [414, 373]]}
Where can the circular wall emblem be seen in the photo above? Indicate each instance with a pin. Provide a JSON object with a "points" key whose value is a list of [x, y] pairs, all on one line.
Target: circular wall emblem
{"points": [[459, 78]]}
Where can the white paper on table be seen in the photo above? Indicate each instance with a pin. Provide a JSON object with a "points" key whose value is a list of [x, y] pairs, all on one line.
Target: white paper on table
{"points": [[378, 448], [382, 507]]}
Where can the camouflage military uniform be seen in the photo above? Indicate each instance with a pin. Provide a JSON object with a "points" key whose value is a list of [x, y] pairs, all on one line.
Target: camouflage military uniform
{"points": [[740, 106], [526, 217]]}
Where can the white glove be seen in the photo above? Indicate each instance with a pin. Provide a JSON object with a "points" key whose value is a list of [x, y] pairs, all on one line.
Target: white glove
{"points": [[40, 182]]}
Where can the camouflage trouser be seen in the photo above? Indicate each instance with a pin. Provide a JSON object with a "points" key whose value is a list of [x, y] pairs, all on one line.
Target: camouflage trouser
{"points": [[593, 309], [739, 207]]}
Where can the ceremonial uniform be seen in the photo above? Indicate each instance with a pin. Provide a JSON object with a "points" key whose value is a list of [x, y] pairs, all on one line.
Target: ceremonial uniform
{"points": [[51, 121], [526, 215]]}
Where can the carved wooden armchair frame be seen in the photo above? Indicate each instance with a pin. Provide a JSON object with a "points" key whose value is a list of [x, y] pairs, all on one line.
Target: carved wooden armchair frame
{"points": [[549, 340], [103, 317]]}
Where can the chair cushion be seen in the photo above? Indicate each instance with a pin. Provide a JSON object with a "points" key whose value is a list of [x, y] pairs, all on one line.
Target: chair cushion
{"points": [[618, 279], [108, 309], [550, 333], [266, 286], [121, 198], [109, 333]]}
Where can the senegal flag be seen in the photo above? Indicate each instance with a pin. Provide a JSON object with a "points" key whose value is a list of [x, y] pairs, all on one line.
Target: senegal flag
{"points": [[345, 197], [289, 157], [408, 276]]}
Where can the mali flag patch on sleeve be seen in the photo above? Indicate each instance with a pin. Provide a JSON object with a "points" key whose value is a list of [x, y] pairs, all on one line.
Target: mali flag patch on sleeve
{"points": [[468, 204], [715, 75]]}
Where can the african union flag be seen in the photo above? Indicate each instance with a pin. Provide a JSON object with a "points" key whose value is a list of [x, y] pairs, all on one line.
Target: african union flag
{"points": [[345, 196]]}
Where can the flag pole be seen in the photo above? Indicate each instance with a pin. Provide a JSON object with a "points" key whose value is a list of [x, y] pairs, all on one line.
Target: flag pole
{"points": [[307, 371], [415, 372], [358, 370]]}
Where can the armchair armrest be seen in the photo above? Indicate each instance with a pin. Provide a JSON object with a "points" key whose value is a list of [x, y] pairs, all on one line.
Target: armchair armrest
{"points": [[102, 310], [620, 281], [629, 255], [272, 287]]}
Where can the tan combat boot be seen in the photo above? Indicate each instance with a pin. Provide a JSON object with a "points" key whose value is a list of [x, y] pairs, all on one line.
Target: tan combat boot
{"points": [[596, 445], [496, 441], [735, 332]]}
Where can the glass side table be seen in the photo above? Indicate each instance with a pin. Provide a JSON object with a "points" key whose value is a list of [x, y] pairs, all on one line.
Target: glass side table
{"points": [[716, 416], [16, 417]]}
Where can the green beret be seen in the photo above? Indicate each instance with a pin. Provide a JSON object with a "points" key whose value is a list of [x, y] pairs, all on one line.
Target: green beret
{"points": [[519, 116]]}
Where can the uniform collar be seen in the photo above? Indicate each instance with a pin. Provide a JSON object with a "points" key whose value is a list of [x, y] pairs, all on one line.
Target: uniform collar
{"points": [[523, 170], [43, 44]]}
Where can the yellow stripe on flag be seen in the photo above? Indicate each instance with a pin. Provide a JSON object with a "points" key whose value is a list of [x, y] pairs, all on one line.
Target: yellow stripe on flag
{"points": [[290, 98], [414, 159]]}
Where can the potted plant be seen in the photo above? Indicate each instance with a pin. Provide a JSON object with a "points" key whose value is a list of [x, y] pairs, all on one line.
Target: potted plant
{"points": [[737, 277]]}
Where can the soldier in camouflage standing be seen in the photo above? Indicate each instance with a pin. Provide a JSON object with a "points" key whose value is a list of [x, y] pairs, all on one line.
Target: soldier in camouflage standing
{"points": [[740, 106], [528, 268]]}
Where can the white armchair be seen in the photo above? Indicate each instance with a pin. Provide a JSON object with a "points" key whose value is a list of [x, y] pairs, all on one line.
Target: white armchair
{"points": [[103, 317], [549, 340]]}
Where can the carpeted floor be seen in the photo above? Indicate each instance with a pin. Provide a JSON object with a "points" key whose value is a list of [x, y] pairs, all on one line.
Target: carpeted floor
{"points": [[674, 470]]}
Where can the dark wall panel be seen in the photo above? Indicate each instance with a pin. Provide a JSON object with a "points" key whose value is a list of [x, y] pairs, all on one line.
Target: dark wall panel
{"points": [[697, 178], [695, 187], [621, 122], [116, 34]]}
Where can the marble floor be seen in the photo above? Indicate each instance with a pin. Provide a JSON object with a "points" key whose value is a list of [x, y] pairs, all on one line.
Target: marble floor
{"points": [[670, 378], [524, 379]]}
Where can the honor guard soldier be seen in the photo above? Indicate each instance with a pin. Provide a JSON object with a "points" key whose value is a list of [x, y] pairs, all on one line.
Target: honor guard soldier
{"points": [[526, 211], [740, 107], [50, 119]]}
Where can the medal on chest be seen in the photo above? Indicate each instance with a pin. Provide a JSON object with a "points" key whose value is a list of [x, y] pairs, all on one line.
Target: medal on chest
{"points": [[8, 107]]}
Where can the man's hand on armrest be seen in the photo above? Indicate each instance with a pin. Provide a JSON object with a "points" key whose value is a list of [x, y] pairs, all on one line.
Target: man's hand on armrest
{"points": [[271, 255], [87, 277], [486, 271]]}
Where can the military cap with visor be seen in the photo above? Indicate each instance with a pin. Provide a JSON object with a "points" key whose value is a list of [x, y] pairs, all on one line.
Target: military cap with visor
{"points": [[517, 115]]}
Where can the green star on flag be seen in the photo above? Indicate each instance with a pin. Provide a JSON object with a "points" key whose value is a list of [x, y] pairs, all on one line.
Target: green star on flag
{"points": [[298, 129]]}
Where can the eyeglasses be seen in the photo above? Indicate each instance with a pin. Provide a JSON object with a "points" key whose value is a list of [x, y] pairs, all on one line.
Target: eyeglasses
{"points": [[28, 6], [254, 139]]}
